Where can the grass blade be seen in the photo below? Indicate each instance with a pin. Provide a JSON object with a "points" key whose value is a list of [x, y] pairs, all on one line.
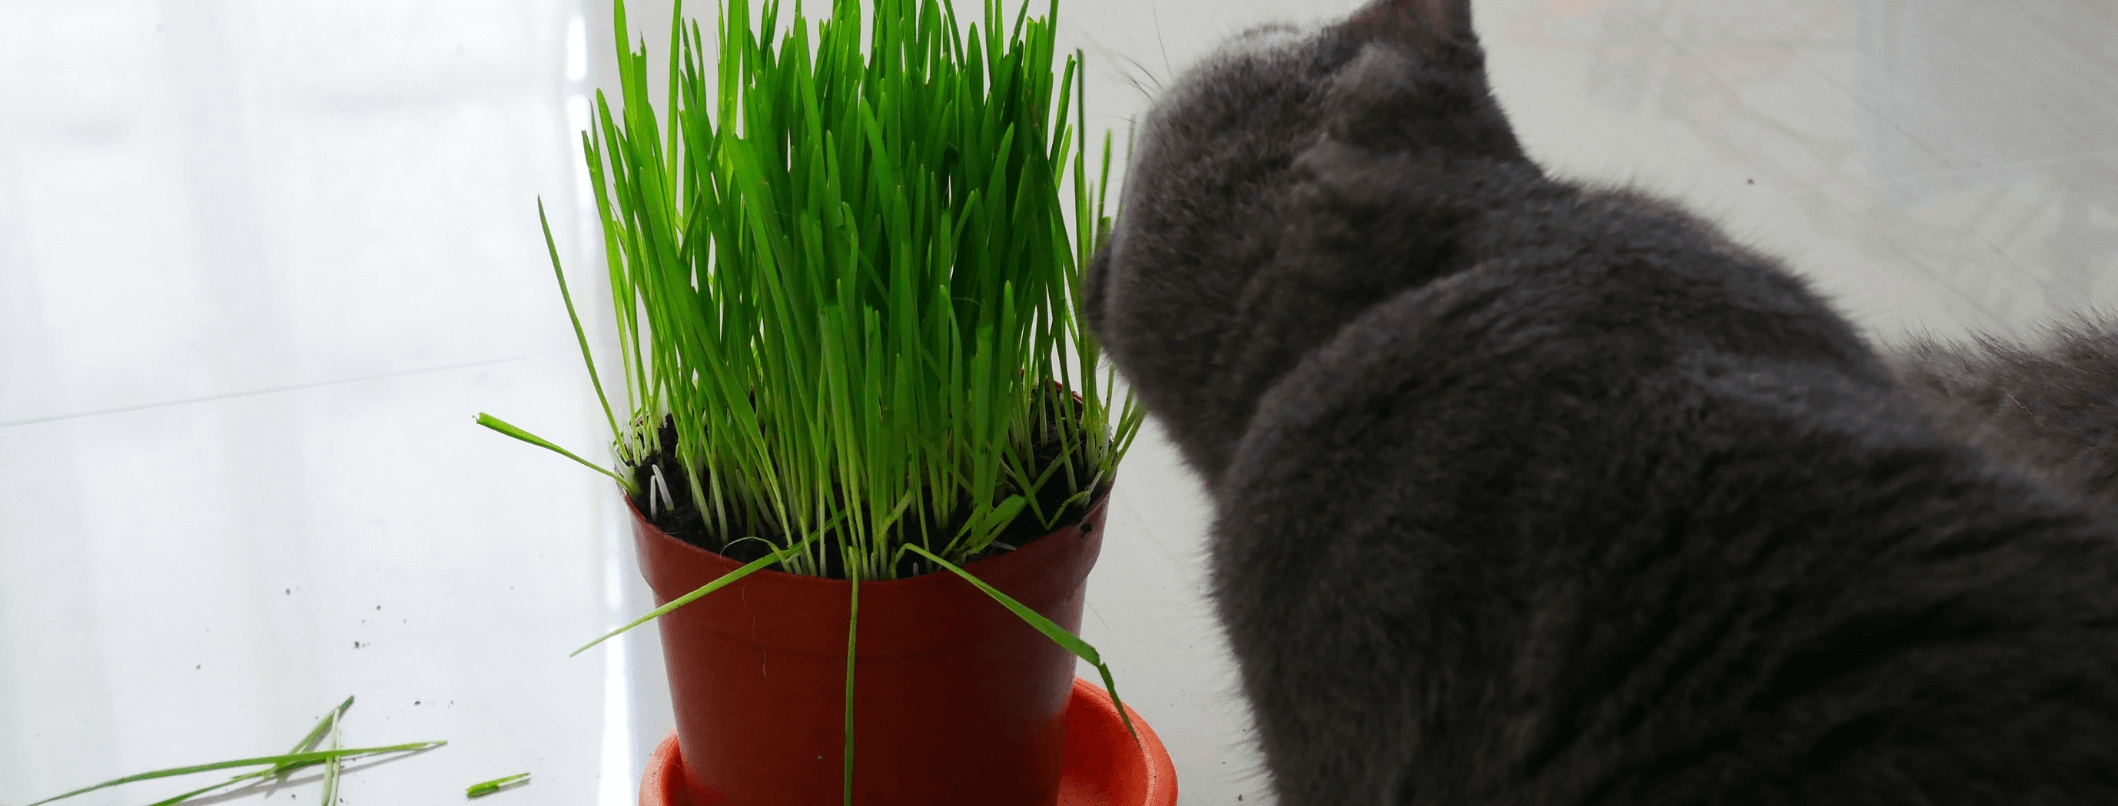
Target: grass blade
{"points": [[503, 427], [718, 583], [1058, 634], [579, 334]]}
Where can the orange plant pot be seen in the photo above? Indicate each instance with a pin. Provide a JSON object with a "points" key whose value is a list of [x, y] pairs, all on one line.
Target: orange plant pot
{"points": [[957, 701]]}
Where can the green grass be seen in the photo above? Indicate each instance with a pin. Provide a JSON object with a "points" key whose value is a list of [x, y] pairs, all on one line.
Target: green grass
{"points": [[844, 280]]}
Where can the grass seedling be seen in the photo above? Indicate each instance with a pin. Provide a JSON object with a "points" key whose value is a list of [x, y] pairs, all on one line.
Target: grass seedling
{"points": [[480, 790], [301, 757], [844, 267]]}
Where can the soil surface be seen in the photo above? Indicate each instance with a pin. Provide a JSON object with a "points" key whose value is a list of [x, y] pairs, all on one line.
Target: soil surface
{"points": [[685, 522]]}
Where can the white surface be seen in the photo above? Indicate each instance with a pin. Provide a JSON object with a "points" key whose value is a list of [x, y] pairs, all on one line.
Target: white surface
{"points": [[261, 262]]}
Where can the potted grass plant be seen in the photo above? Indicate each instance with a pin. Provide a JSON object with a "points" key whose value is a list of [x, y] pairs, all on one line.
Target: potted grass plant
{"points": [[867, 442]]}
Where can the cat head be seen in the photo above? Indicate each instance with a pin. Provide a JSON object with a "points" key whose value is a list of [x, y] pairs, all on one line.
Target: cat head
{"points": [[1223, 183]]}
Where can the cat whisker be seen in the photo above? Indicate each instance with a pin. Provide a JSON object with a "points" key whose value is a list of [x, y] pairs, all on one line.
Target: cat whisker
{"points": [[1130, 79]]}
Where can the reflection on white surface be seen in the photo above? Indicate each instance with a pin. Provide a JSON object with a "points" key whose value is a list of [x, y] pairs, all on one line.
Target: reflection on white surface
{"points": [[1935, 166], [260, 263], [616, 769]]}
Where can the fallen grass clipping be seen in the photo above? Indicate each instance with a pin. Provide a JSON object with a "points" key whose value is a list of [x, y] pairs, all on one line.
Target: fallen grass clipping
{"points": [[276, 768], [483, 789]]}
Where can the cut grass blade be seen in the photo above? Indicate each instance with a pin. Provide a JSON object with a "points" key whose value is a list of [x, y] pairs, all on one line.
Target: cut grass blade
{"points": [[327, 723], [484, 788], [279, 763], [298, 758], [331, 765], [1058, 634]]}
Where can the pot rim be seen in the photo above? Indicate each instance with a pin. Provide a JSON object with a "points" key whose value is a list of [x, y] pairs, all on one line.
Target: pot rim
{"points": [[1087, 517]]}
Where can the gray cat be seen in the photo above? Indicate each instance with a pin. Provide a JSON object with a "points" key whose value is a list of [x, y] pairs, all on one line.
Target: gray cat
{"points": [[1529, 492]]}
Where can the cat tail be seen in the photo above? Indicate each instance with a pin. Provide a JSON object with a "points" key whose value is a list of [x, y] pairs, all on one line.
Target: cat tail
{"points": [[2052, 403]]}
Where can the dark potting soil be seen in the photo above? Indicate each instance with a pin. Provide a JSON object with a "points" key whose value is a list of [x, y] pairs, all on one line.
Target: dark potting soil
{"points": [[685, 522]]}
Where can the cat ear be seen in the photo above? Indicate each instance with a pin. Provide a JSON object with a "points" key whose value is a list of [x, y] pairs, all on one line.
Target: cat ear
{"points": [[1409, 75], [1414, 21]]}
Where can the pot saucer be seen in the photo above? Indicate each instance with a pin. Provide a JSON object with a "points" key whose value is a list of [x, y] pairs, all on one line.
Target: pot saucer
{"points": [[1103, 766]]}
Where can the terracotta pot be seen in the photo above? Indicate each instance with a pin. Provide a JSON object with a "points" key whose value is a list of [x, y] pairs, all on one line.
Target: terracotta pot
{"points": [[957, 701]]}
